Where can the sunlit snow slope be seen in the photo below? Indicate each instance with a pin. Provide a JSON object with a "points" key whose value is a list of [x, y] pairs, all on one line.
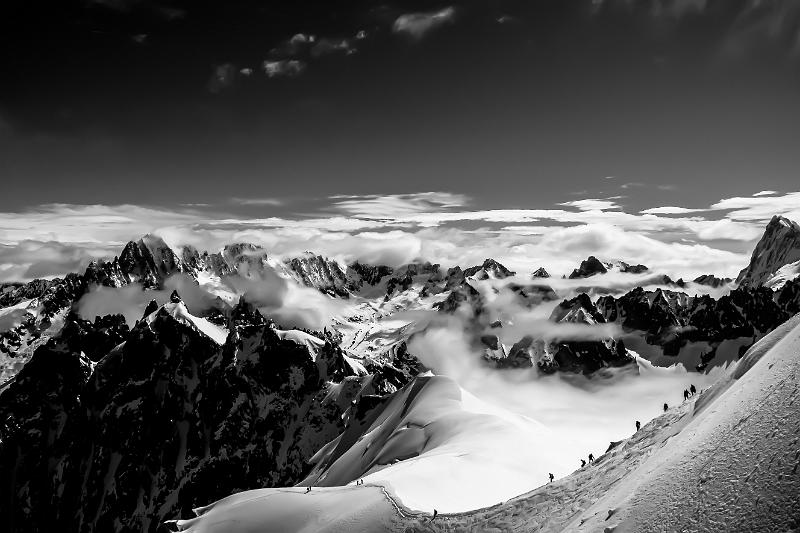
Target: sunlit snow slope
{"points": [[725, 461]]}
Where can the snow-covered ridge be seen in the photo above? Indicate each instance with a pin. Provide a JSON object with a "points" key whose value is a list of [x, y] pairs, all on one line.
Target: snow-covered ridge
{"points": [[177, 310]]}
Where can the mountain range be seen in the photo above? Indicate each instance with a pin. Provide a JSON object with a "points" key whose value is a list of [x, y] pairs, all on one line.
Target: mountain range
{"points": [[206, 382]]}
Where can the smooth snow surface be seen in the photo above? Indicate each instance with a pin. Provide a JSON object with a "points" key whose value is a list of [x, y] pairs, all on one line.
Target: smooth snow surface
{"points": [[323, 510], [438, 446]]}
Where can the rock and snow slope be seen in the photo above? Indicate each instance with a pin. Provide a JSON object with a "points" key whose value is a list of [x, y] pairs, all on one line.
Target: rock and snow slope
{"points": [[724, 461], [779, 246]]}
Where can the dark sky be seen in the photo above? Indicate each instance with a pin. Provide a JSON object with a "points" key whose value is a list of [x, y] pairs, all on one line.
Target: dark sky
{"points": [[516, 104]]}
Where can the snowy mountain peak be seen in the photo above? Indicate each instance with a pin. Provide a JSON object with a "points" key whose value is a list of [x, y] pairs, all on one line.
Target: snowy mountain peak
{"points": [[779, 246], [490, 269]]}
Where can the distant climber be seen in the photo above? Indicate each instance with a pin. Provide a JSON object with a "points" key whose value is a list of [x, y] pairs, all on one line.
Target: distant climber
{"points": [[308, 489], [692, 390], [685, 394], [591, 458], [435, 514], [583, 463], [666, 407], [552, 477], [638, 425]]}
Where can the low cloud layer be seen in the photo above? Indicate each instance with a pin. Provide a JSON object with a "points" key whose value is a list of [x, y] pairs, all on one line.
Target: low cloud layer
{"points": [[54, 239], [584, 414]]}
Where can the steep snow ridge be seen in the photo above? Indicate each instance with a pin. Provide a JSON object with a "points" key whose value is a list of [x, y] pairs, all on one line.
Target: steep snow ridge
{"points": [[178, 311], [733, 466]]}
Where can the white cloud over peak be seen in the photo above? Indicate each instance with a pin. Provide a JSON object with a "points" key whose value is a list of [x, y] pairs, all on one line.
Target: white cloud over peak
{"points": [[256, 201], [395, 229]]}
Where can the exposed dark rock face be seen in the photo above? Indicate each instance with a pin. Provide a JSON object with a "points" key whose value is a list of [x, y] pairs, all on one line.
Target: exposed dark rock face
{"points": [[466, 295], [711, 280], [322, 274], [579, 309], [372, 275], [579, 356], [672, 319], [14, 293], [41, 416], [589, 267], [166, 421], [404, 278], [540, 273], [53, 296], [779, 246], [632, 269]]}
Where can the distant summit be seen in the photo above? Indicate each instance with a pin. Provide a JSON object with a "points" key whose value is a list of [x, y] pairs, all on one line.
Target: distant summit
{"points": [[540, 273], [589, 267], [489, 269], [778, 247]]}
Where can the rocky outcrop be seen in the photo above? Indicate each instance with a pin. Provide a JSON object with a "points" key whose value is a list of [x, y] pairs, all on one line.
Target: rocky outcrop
{"points": [[540, 273], [779, 246], [371, 275], [672, 319], [490, 269], [322, 274], [463, 295], [711, 280], [631, 269], [589, 267]]}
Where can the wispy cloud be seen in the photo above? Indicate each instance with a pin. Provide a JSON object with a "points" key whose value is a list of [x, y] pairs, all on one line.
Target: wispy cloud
{"points": [[592, 204], [256, 201], [417, 25], [670, 210], [397, 205]]}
